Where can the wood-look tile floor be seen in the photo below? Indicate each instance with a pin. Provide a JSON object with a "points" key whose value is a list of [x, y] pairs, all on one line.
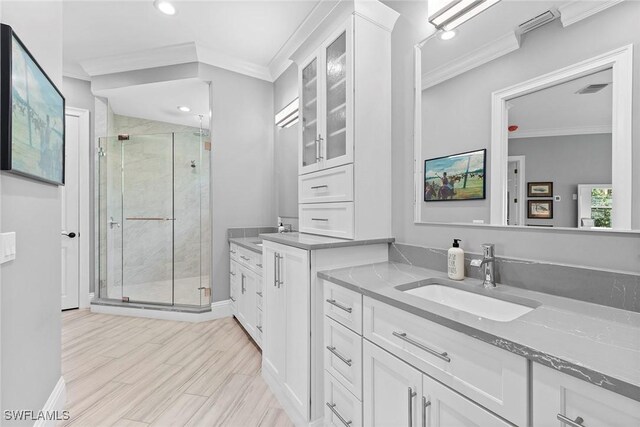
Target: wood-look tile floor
{"points": [[128, 371]]}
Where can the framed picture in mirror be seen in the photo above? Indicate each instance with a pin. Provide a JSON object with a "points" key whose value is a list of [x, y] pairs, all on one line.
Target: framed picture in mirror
{"points": [[540, 209], [455, 177], [540, 189]]}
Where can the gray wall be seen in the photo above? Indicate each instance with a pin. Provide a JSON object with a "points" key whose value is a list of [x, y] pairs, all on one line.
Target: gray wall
{"points": [[285, 90], [566, 161], [457, 112], [78, 95], [615, 251], [30, 291]]}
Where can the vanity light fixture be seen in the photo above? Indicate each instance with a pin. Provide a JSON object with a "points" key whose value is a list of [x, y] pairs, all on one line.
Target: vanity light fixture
{"points": [[448, 35], [289, 115], [165, 7], [447, 15], [184, 108]]}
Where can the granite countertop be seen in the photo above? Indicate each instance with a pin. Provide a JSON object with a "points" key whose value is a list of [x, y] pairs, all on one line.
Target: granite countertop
{"points": [[596, 343], [311, 241], [250, 243]]}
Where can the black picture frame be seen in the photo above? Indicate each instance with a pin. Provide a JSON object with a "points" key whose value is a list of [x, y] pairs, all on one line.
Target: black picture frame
{"points": [[483, 196], [7, 39], [549, 204], [548, 193]]}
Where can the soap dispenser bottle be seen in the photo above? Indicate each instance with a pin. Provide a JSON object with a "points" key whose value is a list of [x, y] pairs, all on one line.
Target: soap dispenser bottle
{"points": [[455, 261]]}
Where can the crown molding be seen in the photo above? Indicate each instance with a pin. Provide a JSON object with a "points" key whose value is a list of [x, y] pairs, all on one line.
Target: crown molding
{"points": [[220, 60], [486, 53], [578, 10], [568, 131]]}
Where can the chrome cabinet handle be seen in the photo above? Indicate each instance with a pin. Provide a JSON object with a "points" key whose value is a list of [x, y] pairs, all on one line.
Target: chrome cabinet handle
{"points": [[425, 404], [244, 258], [232, 299], [242, 287], [320, 145], [338, 355], [340, 306], [232, 251], [280, 281], [410, 395], [259, 293], [320, 219], [259, 265], [317, 187], [403, 336], [568, 421], [275, 269], [332, 406], [259, 328], [232, 273]]}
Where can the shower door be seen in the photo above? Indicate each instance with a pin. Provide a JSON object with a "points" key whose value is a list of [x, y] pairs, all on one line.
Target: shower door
{"points": [[148, 219]]}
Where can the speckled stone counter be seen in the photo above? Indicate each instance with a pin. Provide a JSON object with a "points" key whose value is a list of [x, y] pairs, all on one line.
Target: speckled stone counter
{"points": [[250, 243], [312, 242], [595, 343]]}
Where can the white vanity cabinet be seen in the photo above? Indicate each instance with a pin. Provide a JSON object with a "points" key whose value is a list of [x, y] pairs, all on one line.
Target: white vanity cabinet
{"points": [[562, 400], [245, 289], [345, 133]]}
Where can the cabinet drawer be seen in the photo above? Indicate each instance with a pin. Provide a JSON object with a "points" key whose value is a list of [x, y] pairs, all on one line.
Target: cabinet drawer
{"points": [[328, 219], [247, 257], [343, 355], [341, 408], [343, 305], [233, 251], [494, 378], [331, 185], [558, 397], [444, 407]]}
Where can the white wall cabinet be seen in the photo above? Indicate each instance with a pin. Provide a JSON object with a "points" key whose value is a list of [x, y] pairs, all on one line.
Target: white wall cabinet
{"points": [[345, 107], [562, 400]]}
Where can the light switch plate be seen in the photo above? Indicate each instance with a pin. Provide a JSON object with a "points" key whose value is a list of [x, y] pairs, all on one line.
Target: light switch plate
{"points": [[7, 247]]}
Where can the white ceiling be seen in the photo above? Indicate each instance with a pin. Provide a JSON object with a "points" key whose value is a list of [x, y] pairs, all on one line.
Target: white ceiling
{"points": [[160, 101], [490, 25], [251, 31], [559, 110]]}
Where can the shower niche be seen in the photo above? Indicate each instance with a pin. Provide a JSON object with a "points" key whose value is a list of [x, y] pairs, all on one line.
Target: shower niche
{"points": [[153, 214]]}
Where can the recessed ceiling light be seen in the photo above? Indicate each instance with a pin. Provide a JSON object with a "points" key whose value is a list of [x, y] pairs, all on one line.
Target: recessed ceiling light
{"points": [[184, 108], [448, 35], [165, 7]]}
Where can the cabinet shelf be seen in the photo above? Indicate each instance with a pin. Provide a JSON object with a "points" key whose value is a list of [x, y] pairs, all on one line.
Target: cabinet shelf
{"points": [[337, 84], [338, 132], [338, 108], [310, 123], [310, 82], [310, 103]]}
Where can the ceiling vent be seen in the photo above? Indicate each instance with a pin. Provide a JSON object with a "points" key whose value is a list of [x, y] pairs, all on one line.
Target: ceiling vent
{"points": [[594, 88], [537, 22]]}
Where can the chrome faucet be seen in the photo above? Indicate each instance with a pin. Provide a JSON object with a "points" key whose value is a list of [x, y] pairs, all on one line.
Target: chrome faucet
{"points": [[488, 264]]}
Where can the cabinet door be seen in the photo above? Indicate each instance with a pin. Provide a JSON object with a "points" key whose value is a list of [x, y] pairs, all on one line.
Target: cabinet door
{"points": [[562, 400], [233, 286], [247, 300], [295, 286], [391, 390], [337, 139], [443, 407], [310, 129], [274, 313]]}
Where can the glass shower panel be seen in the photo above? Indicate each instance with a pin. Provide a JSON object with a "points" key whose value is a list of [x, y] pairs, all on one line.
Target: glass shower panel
{"points": [[337, 98], [191, 178], [309, 103], [148, 220]]}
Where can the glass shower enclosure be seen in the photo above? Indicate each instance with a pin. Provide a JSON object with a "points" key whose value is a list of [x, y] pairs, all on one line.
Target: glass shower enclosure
{"points": [[153, 215]]}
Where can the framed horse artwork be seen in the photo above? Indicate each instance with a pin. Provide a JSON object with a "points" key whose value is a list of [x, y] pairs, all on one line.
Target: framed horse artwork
{"points": [[456, 177]]}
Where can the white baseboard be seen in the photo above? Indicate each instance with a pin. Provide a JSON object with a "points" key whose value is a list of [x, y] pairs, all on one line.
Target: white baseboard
{"points": [[55, 403], [296, 418], [219, 310]]}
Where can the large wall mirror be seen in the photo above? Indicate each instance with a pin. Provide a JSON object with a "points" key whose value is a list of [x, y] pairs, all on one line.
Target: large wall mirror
{"points": [[525, 118]]}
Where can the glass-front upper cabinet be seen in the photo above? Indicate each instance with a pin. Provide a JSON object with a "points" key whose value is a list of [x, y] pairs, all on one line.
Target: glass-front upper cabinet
{"points": [[310, 152], [327, 105]]}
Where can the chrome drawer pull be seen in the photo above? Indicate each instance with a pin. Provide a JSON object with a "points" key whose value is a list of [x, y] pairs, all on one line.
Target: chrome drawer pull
{"points": [[332, 406], [425, 404], [338, 355], [232, 299], [340, 306], [259, 328], [411, 395], [403, 337], [320, 219], [259, 293], [568, 421], [244, 258], [259, 265], [233, 252], [317, 187], [232, 273]]}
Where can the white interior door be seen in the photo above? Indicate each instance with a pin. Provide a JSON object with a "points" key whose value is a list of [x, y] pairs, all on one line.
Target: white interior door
{"points": [[70, 200]]}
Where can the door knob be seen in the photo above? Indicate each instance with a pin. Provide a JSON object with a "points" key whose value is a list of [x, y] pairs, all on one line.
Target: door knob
{"points": [[69, 235]]}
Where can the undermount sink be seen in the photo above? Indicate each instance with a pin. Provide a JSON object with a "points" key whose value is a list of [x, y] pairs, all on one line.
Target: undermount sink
{"points": [[473, 303]]}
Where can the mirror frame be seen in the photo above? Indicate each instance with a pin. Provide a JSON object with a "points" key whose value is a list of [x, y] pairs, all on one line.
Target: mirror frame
{"points": [[620, 60]]}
